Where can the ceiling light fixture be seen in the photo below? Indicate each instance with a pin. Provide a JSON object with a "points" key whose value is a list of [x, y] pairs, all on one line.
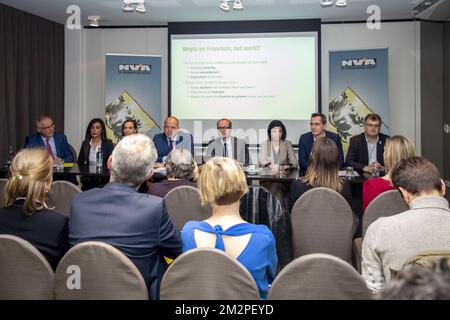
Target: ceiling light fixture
{"points": [[341, 3], [129, 6], [326, 3], [93, 21], [237, 5]]}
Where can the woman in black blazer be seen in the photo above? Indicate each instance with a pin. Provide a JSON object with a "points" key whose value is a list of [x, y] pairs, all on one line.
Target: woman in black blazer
{"points": [[25, 214], [94, 140]]}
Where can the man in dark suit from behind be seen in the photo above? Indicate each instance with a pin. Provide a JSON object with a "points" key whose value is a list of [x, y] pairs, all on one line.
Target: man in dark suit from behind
{"points": [[135, 223], [317, 124], [55, 143], [365, 152]]}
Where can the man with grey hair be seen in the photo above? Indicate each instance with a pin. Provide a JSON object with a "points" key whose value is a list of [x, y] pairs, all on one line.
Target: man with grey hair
{"points": [[181, 171], [135, 223]]}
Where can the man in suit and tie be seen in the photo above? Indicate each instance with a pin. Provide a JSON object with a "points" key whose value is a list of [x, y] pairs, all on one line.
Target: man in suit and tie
{"points": [[172, 138], [226, 145], [365, 152], [55, 143], [317, 124], [135, 223]]}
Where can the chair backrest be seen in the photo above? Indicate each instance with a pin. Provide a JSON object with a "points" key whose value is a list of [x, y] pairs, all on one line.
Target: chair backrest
{"points": [[319, 276], [183, 205], [61, 195], [260, 206], [385, 204], [25, 274], [75, 157], [95, 270], [2, 188], [207, 274], [322, 222]]}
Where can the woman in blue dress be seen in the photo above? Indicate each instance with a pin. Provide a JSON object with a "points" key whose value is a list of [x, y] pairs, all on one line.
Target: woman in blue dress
{"points": [[222, 183]]}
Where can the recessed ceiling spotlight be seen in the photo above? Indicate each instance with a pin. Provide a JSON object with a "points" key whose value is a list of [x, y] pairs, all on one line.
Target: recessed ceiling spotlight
{"points": [[326, 3], [141, 8], [224, 6], [341, 3], [237, 5], [93, 21]]}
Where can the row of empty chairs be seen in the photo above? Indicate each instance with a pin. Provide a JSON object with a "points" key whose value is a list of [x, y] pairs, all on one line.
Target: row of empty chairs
{"points": [[95, 270]]}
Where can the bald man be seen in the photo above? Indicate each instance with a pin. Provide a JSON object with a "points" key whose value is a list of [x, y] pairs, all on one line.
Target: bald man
{"points": [[172, 138]]}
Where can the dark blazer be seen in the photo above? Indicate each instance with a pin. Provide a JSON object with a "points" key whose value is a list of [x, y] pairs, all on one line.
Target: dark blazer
{"points": [[107, 149], [135, 223], [305, 145], [63, 150], [358, 155], [184, 141], [298, 188], [45, 229]]}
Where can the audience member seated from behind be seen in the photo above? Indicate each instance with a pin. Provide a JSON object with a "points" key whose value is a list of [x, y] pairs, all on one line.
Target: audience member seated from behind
{"points": [[317, 124], [222, 183], [129, 127], [416, 282], [226, 145], [365, 152], [390, 241], [135, 223], [181, 171], [24, 212], [323, 171], [94, 140], [171, 139], [395, 149]]}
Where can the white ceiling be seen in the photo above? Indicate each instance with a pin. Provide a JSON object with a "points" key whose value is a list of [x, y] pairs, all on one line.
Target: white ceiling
{"points": [[163, 11]]}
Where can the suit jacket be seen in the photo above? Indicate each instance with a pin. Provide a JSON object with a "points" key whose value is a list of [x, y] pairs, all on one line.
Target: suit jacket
{"points": [[184, 141], [63, 150], [240, 149], [358, 155], [135, 223], [305, 145], [107, 149], [286, 153], [45, 229]]}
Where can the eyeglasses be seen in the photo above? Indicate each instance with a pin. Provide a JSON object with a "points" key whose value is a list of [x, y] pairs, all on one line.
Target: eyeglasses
{"points": [[373, 125], [48, 127], [223, 128]]}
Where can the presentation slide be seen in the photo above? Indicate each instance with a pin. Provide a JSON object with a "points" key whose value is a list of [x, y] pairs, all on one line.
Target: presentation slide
{"points": [[260, 76]]}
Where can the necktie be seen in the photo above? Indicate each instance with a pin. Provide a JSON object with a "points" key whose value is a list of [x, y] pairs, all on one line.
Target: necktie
{"points": [[49, 149], [225, 151], [170, 145]]}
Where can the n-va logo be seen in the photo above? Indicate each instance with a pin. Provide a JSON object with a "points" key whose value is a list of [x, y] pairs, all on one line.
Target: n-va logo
{"points": [[359, 63], [135, 68]]}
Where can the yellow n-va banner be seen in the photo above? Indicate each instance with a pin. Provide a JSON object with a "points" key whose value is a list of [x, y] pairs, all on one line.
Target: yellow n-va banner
{"points": [[358, 86], [132, 91]]}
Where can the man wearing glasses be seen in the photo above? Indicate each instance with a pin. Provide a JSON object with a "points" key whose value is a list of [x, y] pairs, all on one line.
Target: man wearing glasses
{"points": [[172, 138], [226, 145], [55, 143], [365, 152]]}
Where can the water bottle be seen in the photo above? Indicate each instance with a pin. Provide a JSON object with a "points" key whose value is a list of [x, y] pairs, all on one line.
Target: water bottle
{"points": [[9, 157], [99, 160]]}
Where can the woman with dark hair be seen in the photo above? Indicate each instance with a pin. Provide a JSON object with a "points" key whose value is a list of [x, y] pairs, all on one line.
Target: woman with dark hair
{"points": [[94, 141], [323, 171], [129, 127], [277, 151], [277, 154]]}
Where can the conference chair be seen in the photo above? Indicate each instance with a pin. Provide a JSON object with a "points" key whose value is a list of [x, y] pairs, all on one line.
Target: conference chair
{"points": [[207, 274], [61, 195], [260, 206], [2, 188], [318, 277], [74, 153], [385, 204], [25, 274], [322, 222], [97, 271], [183, 205]]}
